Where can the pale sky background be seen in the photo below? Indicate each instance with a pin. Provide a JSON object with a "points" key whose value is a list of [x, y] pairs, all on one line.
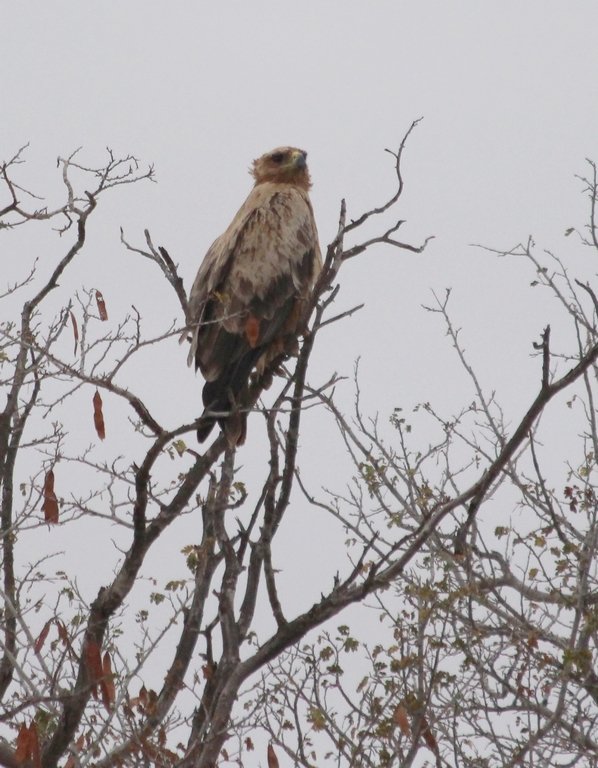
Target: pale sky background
{"points": [[509, 95]]}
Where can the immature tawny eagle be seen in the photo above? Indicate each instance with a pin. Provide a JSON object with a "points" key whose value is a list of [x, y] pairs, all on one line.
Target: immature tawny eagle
{"points": [[251, 289]]}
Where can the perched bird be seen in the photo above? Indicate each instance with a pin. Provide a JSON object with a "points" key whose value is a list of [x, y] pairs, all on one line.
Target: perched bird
{"points": [[247, 301]]}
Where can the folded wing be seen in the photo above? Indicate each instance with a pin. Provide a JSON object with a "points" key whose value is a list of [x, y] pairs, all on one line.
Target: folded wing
{"points": [[248, 298]]}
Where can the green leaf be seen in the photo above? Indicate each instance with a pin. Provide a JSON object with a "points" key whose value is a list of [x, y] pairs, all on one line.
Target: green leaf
{"points": [[179, 446], [317, 718]]}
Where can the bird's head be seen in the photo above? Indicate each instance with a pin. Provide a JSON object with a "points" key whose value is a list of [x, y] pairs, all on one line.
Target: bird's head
{"points": [[284, 165]]}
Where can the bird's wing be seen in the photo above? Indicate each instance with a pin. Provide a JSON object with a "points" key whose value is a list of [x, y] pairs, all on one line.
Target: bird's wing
{"points": [[252, 276]]}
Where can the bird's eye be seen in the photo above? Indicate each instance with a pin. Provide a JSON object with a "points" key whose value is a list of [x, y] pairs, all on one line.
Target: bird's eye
{"points": [[277, 157]]}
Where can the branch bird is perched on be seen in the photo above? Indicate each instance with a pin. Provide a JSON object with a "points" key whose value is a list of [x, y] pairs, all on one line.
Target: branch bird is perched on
{"points": [[247, 301]]}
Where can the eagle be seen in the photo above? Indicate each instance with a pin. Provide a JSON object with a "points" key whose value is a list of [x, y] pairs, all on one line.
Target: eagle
{"points": [[248, 300]]}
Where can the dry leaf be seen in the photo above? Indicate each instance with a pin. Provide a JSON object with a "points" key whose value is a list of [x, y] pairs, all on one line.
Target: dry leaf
{"points": [[27, 751], [22, 750], [399, 717], [143, 697], [63, 635], [98, 416], [101, 306], [75, 330], [41, 638], [152, 702], [249, 744], [35, 752], [107, 683], [93, 660], [428, 736], [272, 759], [50, 503]]}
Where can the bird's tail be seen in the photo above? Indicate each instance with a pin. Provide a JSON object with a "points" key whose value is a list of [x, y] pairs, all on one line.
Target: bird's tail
{"points": [[227, 395], [206, 425], [233, 424]]}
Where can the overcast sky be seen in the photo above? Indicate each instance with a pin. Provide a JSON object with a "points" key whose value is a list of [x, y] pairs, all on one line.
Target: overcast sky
{"points": [[509, 95], [508, 92]]}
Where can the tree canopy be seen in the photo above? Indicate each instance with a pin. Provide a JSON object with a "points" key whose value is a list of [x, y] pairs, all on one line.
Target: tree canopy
{"points": [[470, 540]]}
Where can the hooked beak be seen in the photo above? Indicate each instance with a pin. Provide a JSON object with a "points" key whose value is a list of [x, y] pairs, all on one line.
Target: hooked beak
{"points": [[300, 159]]}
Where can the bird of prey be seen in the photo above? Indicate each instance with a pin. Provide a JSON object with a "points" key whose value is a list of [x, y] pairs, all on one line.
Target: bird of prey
{"points": [[248, 299]]}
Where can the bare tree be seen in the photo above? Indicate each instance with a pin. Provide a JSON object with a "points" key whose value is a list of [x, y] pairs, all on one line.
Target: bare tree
{"points": [[487, 641], [72, 689], [470, 673]]}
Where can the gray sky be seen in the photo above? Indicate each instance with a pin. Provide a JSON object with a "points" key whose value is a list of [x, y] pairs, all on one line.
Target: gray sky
{"points": [[509, 95]]}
